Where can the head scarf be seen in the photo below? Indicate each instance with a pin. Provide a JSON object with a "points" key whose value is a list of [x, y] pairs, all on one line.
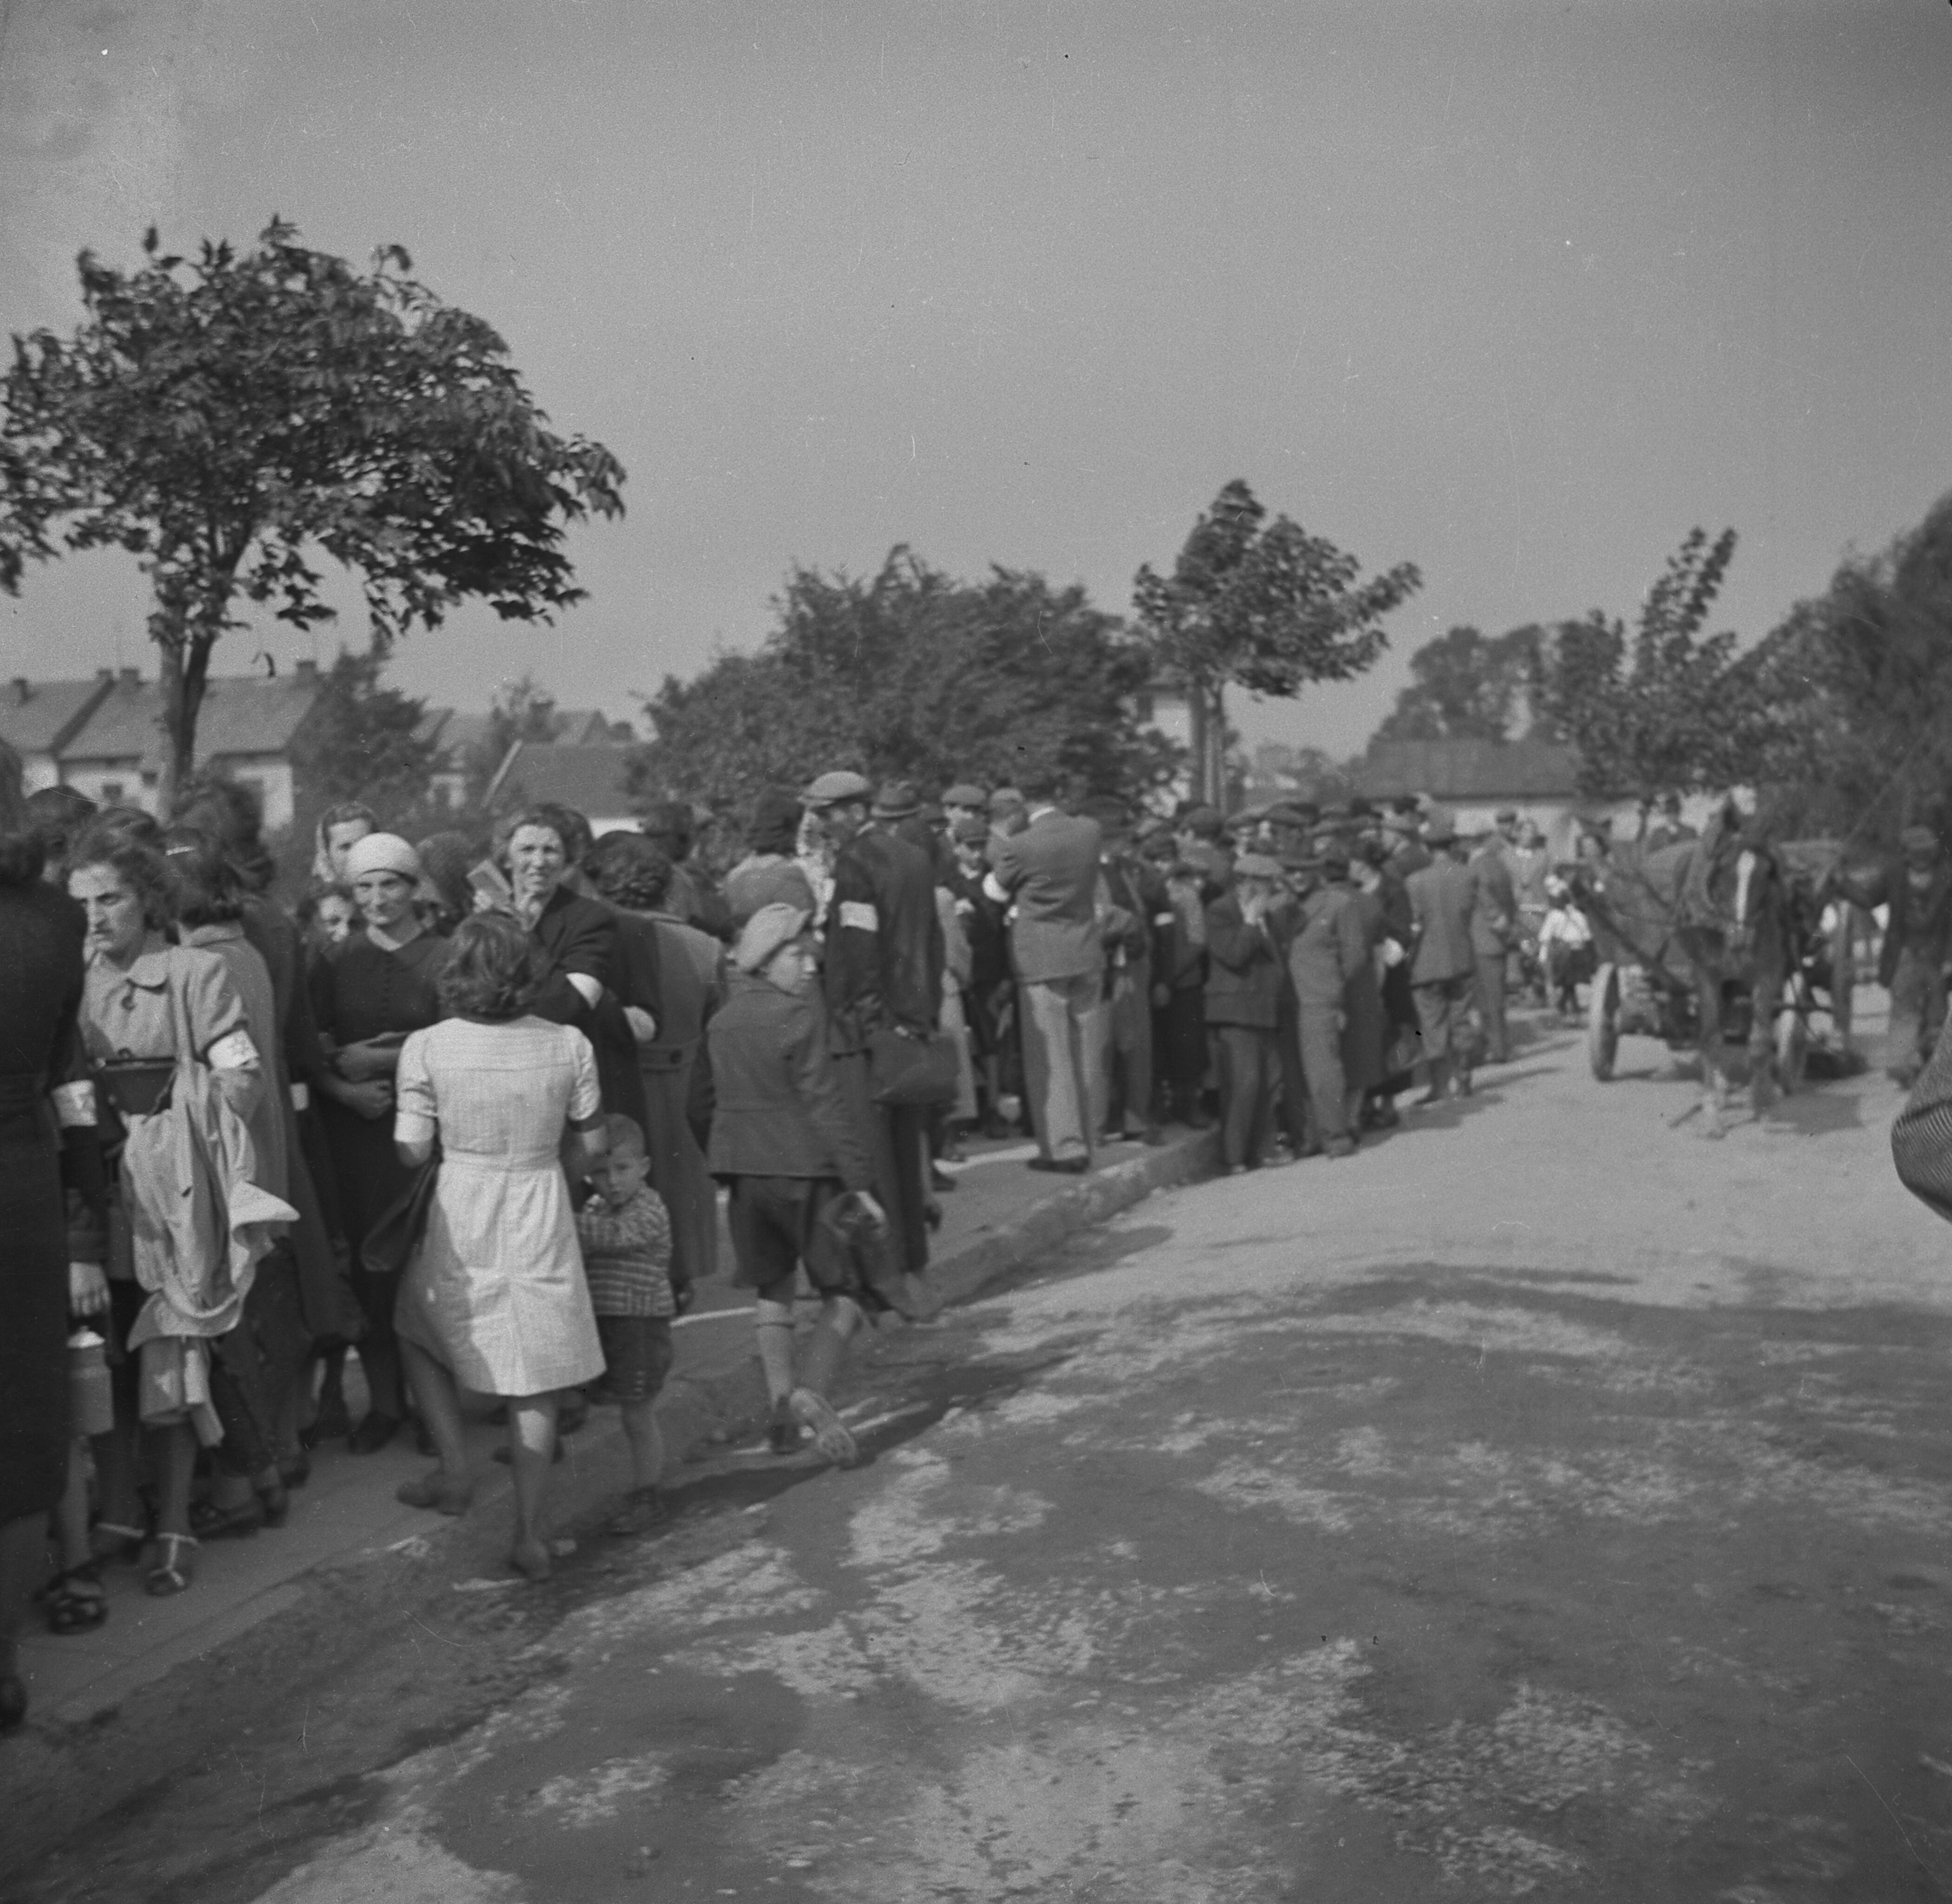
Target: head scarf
{"points": [[383, 852]]}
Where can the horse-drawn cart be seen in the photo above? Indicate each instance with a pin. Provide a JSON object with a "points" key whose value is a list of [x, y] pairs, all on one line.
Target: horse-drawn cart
{"points": [[1646, 984]]}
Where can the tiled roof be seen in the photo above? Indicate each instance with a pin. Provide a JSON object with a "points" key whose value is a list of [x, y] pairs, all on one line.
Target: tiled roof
{"points": [[590, 780], [1470, 770], [36, 716], [241, 714]]}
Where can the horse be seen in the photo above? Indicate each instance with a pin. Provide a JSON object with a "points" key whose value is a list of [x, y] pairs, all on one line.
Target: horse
{"points": [[1733, 925]]}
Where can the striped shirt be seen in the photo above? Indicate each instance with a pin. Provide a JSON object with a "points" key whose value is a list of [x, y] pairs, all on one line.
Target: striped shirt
{"points": [[626, 1255]]}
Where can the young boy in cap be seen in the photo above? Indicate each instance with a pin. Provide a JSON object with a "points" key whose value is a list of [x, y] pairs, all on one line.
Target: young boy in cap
{"points": [[799, 1169], [626, 1236]]}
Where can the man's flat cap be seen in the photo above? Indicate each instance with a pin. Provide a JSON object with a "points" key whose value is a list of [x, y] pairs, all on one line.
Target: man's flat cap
{"points": [[1257, 866], [962, 794], [830, 788]]}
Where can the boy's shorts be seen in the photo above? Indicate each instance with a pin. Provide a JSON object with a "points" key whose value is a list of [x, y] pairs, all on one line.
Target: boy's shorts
{"points": [[636, 1355]]}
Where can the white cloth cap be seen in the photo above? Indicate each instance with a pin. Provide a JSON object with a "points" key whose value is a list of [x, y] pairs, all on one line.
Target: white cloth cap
{"points": [[383, 852]]}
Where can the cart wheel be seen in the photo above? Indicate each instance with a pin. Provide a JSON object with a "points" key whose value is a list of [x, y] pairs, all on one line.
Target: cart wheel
{"points": [[1603, 1021], [1792, 1042]]}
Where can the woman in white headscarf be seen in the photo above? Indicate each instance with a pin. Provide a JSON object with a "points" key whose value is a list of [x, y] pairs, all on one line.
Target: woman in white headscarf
{"points": [[368, 993]]}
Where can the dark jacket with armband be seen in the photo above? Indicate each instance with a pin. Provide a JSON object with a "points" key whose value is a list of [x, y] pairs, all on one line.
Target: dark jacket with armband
{"points": [[885, 956], [779, 1112]]}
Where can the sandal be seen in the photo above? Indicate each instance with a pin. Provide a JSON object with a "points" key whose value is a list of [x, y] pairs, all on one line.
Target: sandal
{"points": [[74, 1601], [437, 1491], [173, 1570], [125, 1543], [643, 1509], [831, 1435]]}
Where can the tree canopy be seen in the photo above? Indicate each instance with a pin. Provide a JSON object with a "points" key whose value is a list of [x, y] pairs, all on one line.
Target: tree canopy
{"points": [[1262, 605], [1465, 686], [1662, 708], [223, 419], [1858, 684], [910, 675]]}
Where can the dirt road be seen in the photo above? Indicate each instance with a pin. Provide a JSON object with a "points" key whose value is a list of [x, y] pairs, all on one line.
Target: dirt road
{"points": [[1545, 1503]]}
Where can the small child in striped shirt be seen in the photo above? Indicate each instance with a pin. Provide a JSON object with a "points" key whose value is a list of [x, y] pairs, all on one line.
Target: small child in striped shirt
{"points": [[625, 1232]]}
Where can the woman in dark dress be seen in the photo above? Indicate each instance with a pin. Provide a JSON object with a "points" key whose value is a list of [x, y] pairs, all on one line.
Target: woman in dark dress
{"points": [[41, 932], [577, 938], [367, 995], [670, 979]]}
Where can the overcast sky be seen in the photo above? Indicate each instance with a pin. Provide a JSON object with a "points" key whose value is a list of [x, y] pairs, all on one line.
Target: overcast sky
{"points": [[1518, 292]]}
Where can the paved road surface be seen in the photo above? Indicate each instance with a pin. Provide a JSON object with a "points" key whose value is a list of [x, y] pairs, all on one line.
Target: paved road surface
{"points": [[1545, 1503]]}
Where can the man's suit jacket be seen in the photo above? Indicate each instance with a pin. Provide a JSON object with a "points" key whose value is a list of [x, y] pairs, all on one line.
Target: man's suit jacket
{"points": [[1442, 898], [884, 955], [1497, 906], [1050, 871]]}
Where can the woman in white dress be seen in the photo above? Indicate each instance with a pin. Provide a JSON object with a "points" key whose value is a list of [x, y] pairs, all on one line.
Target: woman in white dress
{"points": [[494, 1299]]}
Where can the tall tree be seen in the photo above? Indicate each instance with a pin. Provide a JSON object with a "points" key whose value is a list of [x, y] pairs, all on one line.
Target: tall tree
{"points": [[225, 419], [1662, 708], [910, 675], [1858, 681], [1261, 605], [1465, 686]]}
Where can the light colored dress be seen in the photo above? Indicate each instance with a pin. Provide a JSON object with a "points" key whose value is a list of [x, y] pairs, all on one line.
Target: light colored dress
{"points": [[497, 1290]]}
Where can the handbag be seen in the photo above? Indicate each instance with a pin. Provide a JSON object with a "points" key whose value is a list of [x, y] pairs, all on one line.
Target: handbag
{"points": [[906, 1070], [397, 1230]]}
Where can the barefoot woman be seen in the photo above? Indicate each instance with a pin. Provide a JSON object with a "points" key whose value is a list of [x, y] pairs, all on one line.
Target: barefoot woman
{"points": [[495, 1300]]}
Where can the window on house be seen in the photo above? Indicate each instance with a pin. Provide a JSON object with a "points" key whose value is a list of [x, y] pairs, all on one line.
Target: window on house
{"points": [[111, 793]]}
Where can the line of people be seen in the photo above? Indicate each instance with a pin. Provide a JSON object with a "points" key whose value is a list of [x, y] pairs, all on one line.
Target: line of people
{"points": [[465, 1114]]}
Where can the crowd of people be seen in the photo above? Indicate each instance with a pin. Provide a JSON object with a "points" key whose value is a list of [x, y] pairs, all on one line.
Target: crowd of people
{"points": [[467, 1114]]}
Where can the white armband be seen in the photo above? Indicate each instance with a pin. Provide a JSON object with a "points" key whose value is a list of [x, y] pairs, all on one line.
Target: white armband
{"points": [[587, 989], [859, 916], [233, 1051]]}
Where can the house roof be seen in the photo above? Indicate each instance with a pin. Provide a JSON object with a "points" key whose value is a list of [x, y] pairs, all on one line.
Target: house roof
{"points": [[241, 715], [36, 717], [454, 733], [590, 780], [1470, 770]]}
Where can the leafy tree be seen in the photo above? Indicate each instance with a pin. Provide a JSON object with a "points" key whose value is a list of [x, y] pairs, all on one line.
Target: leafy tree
{"points": [[1261, 605], [359, 743], [910, 675], [1858, 683], [1662, 709], [1465, 686], [224, 419]]}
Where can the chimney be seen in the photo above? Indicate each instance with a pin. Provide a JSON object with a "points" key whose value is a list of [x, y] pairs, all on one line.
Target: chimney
{"points": [[132, 677], [104, 673], [22, 693], [308, 670]]}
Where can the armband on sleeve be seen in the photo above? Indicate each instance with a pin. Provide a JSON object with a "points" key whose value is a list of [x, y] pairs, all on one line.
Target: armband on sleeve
{"points": [[233, 1051], [857, 915]]}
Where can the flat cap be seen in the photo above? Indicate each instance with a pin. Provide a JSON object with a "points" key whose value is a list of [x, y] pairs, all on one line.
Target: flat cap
{"points": [[1257, 866], [964, 794], [1438, 827], [840, 786], [768, 929]]}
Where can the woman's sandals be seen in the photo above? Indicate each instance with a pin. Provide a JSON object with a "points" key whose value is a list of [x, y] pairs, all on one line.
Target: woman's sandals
{"points": [[831, 1434], [74, 1601], [174, 1565]]}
